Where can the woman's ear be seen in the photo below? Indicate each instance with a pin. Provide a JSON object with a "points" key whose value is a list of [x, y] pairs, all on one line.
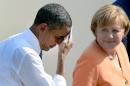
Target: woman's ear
{"points": [[95, 33], [123, 36]]}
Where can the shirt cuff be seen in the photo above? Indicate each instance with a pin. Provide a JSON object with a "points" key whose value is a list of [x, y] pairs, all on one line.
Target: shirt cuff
{"points": [[60, 80]]}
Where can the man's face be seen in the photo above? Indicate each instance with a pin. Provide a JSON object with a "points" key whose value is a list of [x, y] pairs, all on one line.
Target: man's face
{"points": [[49, 38]]}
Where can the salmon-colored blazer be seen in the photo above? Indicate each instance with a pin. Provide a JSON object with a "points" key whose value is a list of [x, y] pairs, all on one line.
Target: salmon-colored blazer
{"points": [[94, 68]]}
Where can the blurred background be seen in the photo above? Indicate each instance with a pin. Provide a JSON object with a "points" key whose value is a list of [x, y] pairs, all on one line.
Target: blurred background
{"points": [[18, 15]]}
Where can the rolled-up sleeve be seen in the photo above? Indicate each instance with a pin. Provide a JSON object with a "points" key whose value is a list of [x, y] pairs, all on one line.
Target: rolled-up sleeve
{"points": [[31, 72]]}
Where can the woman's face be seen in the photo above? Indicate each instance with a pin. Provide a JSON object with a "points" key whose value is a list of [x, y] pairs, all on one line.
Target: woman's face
{"points": [[108, 37]]}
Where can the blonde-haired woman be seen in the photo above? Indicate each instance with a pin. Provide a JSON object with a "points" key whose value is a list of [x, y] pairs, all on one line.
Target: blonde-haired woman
{"points": [[105, 61]]}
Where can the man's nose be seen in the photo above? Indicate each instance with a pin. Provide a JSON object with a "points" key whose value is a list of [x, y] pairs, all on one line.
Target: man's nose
{"points": [[60, 41]]}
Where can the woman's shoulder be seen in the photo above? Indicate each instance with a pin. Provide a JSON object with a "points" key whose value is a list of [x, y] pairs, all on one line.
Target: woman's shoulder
{"points": [[93, 54]]}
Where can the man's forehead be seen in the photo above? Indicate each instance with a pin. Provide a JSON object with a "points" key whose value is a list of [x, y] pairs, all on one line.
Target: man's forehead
{"points": [[62, 31]]}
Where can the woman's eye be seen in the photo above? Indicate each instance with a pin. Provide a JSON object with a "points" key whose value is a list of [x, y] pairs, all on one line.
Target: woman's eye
{"points": [[104, 30], [115, 31]]}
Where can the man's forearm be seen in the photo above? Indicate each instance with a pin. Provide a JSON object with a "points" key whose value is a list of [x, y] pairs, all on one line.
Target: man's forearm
{"points": [[60, 65]]}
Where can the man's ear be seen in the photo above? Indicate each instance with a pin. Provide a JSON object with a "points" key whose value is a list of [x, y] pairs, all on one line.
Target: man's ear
{"points": [[43, 26]]}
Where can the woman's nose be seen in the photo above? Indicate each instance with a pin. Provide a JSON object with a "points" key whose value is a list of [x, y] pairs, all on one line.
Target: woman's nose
{"points": [[110, 35]]}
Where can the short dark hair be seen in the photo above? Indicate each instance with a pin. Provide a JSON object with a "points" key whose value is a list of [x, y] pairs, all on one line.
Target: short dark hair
{"points": [[54, 15]]}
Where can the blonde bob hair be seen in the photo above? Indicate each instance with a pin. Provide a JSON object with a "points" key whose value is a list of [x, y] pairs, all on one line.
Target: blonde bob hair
{"points": [[107, 15]]}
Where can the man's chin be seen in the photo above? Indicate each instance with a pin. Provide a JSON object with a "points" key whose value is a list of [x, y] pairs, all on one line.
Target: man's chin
{"points": [[52, 46], [46, 49]]}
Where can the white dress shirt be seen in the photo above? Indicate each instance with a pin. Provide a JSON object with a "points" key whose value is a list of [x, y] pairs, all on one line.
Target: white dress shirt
{"points": [[20, 64]]}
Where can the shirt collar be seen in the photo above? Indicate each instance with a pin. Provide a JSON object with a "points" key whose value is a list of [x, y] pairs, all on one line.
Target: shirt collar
{"points": [[32, 40]]}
